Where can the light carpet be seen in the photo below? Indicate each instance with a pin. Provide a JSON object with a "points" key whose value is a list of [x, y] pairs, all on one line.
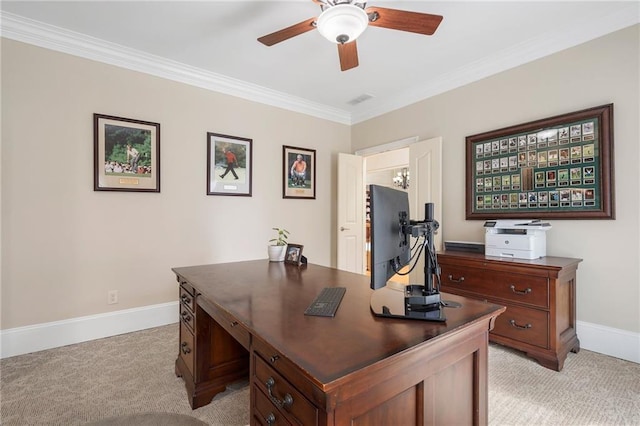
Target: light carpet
{"points": [[133, 374]]}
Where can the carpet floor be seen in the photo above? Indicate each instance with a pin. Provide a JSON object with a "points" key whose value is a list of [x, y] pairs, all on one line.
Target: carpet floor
{"points": [[133, 375]]}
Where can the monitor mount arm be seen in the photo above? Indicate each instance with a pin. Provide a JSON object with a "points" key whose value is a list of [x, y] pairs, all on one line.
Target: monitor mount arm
{"points": [[415, 301], [424, 297]]}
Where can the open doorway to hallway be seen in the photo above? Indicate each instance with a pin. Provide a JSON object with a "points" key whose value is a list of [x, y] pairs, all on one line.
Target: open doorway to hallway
{"points": [[390, 169]]}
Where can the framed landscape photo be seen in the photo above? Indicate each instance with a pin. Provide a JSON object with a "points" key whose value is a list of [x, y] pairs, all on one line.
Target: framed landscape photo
{"points": [[559, 167], [293, 254], [299, 172], [229, 165], [126, 154]]}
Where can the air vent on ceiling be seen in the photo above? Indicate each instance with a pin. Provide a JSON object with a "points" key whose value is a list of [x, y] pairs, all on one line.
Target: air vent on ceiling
{"points": [[360, 99]]}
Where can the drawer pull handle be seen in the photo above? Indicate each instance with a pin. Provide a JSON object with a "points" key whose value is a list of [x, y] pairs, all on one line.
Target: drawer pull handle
{"points": [[286, 402], [270, 419], [185, 348], [185, 298], [234, 323], [455, 280], [522, 327], [274, 358], [523, 292], [185, 316]]}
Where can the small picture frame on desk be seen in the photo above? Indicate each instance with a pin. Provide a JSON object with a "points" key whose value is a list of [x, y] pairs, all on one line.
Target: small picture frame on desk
{"points": [[293, 254]]}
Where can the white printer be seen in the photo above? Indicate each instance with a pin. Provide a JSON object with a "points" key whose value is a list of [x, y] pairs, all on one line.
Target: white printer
{"points": [[522, 239]]}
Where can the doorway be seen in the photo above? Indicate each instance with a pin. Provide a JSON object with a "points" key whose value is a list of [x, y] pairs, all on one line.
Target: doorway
{"points": [[389, 169], [424, 159]]}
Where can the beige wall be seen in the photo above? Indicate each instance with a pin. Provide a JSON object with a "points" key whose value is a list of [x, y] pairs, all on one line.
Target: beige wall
{"points": [[602, 71], [65, 246]]}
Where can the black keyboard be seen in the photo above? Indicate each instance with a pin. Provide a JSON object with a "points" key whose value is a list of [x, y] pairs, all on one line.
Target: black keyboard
{"points": [[327, 302]]}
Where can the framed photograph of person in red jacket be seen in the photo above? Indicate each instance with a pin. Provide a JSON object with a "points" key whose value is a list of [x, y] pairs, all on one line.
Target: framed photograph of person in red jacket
{"points": [[229, 165]]}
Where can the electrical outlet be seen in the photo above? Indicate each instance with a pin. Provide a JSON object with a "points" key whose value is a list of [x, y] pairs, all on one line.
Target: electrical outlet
{"points": [[112, 297]]}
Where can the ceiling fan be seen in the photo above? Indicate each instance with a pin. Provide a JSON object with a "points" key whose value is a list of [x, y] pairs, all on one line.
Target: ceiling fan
{"points": [[342, 22]]}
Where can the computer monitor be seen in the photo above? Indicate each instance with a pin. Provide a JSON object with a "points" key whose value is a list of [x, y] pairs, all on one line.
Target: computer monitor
{"points": [[391, 232], [390, 244]]}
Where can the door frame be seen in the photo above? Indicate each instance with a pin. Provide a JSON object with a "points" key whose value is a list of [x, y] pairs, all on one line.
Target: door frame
{"points": [[390, 146]]}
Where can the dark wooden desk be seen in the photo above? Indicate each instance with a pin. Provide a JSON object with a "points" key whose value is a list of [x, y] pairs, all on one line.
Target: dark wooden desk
{"points": [[247, 319]]}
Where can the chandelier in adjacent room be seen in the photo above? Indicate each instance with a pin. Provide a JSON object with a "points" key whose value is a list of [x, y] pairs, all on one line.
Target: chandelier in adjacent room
{"points": [[401, 179]]}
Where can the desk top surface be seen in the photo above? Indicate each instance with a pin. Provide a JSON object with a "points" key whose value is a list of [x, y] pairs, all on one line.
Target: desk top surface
{"points": [[269, 299]]}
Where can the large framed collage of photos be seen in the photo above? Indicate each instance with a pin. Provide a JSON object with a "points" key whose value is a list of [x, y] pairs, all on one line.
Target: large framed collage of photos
{"points": [[559, 167]]}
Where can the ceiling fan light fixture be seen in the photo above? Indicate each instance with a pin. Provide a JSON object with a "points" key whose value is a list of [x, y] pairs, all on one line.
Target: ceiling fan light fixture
{"points": [[342, 23]]}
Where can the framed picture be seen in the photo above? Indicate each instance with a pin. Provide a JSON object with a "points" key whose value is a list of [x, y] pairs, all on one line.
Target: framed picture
{"points": [[299, 172], [558, 168], [229, 165], [293, 254], [126, 154]]}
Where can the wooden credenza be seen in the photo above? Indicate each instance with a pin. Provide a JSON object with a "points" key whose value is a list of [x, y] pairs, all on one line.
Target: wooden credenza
{"points": [[540, 296], [246, 320]]}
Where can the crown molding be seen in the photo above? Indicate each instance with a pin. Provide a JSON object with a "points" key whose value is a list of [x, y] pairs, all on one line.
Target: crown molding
{"points": [[37, 33], [33, 32], [539, 47]]}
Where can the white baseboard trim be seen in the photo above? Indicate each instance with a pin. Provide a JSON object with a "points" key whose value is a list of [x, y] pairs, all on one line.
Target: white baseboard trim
{"points": [[23, 340], [609, 341]]}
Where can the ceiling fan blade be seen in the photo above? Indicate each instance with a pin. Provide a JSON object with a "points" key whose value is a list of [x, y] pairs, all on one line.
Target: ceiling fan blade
{"points": [[348, 54], [415, 22], [287, 33]]}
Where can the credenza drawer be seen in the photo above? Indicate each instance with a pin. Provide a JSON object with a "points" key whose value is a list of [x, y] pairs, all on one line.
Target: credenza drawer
{"points": [[529, 326], [233, 327], [187, 347], [283, 395], [519, 288]]}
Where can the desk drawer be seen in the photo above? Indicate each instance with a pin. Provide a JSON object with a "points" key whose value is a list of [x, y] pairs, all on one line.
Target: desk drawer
{"points": [[275, 360], [529, 326], [265, 412], [519, 288], [187, 298], [187, 347], [282, 395], [186, 316], [233, 327]]}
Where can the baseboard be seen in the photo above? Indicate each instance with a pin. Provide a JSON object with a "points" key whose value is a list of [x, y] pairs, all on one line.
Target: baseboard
{"points": [[609, 341], [23, 340], [17, 341]]}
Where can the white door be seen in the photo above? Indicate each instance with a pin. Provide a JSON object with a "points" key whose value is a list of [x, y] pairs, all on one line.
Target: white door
{"points": [[350, 213], [425, 169], [425, 163]]}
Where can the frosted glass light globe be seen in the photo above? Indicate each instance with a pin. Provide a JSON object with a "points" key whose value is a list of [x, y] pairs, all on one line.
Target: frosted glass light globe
{"points": [[342, 23]]}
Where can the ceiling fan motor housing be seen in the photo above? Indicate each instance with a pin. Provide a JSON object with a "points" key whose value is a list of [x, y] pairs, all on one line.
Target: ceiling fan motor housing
{"points": [[342, 23]]}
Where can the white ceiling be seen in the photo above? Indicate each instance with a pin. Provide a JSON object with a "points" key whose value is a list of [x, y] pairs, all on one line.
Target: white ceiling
{"points": [[213, 44]]}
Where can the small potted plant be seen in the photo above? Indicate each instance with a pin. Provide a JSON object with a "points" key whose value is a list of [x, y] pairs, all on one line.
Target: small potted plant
{"points": [[278, 245]]}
